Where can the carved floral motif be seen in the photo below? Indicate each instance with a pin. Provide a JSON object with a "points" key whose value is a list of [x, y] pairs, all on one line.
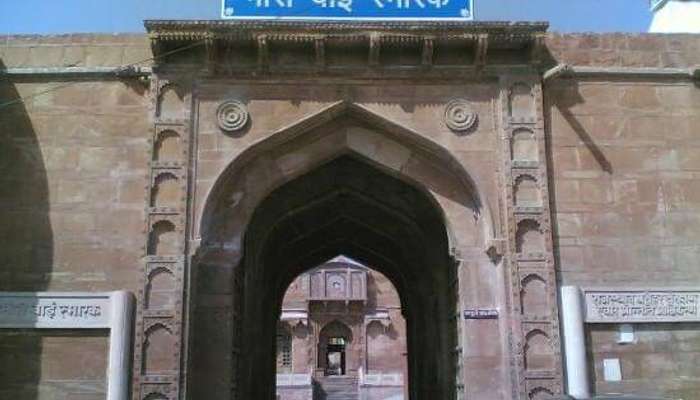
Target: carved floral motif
{"points": [[459, 115], [232, 115]]}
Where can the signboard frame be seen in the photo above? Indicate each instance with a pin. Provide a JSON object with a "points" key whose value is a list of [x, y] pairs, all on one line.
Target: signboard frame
{"points": [[637, 312], [468, 4], [112, 311]]}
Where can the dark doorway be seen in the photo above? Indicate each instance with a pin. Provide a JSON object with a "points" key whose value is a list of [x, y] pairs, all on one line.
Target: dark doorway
{"points": [[349, 206], [335, 356]]}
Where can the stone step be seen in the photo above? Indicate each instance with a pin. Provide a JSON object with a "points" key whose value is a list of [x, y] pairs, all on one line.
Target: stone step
{"points": [[338, 388]]}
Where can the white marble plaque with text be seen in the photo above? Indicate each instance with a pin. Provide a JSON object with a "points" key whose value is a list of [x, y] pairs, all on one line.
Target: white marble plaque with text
{"points": [[54, 310], [650, 305]]}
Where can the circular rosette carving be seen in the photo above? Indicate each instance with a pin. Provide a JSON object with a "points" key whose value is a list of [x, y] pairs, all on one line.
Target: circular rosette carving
{"points": [[232, 115], [459, 115]]}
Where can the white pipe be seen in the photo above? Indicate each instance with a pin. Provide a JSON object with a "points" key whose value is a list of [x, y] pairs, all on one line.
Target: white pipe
{"points": [[120, 345], [574, 342]]}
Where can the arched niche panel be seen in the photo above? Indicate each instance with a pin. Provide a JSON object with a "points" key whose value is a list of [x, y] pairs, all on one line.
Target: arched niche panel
{"points": [[160, 289], [529, 237], [540, 393], [526, 192], [524, 145], [160, 347], [382, 348], [171, 104], [533, 295], [376, 329], [166, 190], [163, 239], [521, 102], [167, 147], [538, 351]]}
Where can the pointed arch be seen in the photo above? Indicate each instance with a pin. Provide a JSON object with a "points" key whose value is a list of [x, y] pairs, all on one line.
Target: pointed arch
{"points": [[339, 129], [344, 181], [336, 328]]}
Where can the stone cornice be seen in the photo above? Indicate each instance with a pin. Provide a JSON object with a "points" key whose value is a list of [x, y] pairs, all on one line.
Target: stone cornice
{"points": [[425, 38], [201, 29]]}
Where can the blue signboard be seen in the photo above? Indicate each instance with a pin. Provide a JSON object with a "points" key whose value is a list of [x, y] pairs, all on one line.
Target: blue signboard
{"points": [[348, 9]]}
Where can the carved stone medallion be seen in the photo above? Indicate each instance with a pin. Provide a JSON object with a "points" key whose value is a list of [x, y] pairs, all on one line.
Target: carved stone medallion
{"points": [[459, 115], [232, 115]]}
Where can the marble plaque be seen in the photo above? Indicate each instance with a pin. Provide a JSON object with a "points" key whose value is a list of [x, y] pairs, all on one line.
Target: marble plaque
{"points": [[652, 305], [54, 310]]}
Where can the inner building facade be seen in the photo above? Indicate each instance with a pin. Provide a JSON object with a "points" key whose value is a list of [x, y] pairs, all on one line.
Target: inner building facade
{"points": [[341, 333]]}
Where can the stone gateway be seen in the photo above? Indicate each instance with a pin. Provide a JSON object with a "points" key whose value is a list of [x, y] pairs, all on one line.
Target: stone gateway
{"points": [[346, 210]]}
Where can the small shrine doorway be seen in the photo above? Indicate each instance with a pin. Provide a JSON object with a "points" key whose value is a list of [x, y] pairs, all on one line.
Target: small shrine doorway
{"points": [[333, 341]]}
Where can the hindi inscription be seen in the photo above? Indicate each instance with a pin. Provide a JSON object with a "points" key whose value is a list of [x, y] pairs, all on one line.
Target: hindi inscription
{"points": [[22, 310], [348, 9], [642, 305]]}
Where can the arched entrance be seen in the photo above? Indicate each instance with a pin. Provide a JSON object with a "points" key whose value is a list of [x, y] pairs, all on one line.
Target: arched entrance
{"points": [[333, 342], [347, 206], [302, 197]]}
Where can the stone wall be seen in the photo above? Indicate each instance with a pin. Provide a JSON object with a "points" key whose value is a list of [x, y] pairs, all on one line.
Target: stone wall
{"points": [[625, 163], [72, 189], [664, 361], [625, 169], [53, 365], [625, 50], [77, 50]]}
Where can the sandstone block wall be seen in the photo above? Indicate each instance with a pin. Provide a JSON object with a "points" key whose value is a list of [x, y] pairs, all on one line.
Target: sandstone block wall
{"points": [[664, 361], [625, 50], [625, 176], [624, 170], [55, 365], [72, 194]]}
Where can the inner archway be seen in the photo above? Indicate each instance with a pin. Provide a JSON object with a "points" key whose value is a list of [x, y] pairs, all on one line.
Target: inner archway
{"points": [[349, 206], [334, 342]]}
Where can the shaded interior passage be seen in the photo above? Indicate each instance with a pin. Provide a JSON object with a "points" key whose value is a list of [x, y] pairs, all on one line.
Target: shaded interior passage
{"points": [[347, 206]]}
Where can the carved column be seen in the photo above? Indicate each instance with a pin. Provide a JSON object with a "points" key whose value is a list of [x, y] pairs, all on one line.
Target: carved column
{"points": [[158, 347], [534, 341]]}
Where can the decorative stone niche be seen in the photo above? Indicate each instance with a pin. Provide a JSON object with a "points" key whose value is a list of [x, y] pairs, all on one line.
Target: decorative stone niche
{"points": [[171, 104], [526, 192], [538, 351], [529, 237], [159, 345], [162, 240], [167, 146], [524, 145], [540, 393], [521, 104], [533, 295], [165, 191], [375, 329], [160, 289]]}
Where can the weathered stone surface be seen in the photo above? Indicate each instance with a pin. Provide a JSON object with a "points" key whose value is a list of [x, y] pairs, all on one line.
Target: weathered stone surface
{"points": [[76, 179]]}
